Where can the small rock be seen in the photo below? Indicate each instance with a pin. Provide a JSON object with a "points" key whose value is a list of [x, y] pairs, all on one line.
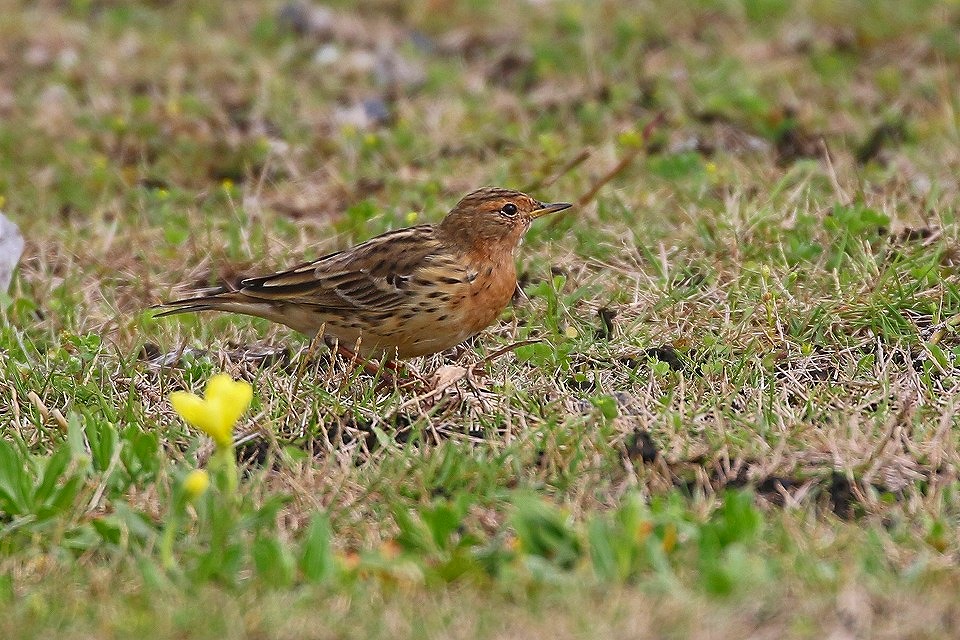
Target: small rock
{"points": [[640, 445], [11, 248], [607, 326], [921, 184], [327, 55], [512, 67], [377, 111], [53, 108], [684, 144], [303, 19], [38, 56], [368, 114], [295, 17], [68, 59], [359, 62], [422, 42], [393, 71]]}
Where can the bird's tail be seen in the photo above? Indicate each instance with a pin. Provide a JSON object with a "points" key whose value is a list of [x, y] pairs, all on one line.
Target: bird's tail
{"points": [[221, 299]]}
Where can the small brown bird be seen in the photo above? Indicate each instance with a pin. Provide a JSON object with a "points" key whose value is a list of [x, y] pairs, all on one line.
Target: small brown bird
{"points": [[405, 293]]}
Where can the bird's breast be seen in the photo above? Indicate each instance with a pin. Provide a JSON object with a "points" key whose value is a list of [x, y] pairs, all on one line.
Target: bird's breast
{"points": [[453, 301], [489, 292]]}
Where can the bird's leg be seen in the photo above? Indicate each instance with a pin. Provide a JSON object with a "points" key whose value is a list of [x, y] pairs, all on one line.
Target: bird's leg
{"points": [[390, 372], [355, 358]]}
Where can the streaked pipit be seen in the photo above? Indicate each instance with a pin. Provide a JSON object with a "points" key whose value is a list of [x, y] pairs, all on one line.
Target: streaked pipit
{"points": [[404, 293]]}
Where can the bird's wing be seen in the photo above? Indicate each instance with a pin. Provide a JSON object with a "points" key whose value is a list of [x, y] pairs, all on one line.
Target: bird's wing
{"points": [[380, 274]]}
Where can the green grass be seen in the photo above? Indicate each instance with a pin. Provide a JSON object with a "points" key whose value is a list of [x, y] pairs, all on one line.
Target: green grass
{"points": [[739, 418]]}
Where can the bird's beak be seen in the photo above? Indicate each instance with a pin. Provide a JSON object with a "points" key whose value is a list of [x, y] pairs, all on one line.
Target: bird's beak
{"points": [[550, 208]]}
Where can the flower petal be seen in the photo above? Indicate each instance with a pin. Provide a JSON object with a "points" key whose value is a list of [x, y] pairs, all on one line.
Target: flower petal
{"points": [[217, 412], [196, 483], [203, 415], [218, 385], [231, 398], [191, 408], [220, 430]]}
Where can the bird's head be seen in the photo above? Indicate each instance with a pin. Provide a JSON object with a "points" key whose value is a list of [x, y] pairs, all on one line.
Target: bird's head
{"points": [[492, 219]]}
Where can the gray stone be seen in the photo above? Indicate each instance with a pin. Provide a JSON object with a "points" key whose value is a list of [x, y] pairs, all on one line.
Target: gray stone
{"points": [[11, 248]]}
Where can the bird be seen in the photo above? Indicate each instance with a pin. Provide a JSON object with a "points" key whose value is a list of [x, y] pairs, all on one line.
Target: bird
{"points": [[405, 293]]}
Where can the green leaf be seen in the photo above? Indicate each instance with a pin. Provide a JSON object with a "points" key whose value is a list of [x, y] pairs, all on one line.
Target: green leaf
{"points": [[607, 406], [295, 453], [382, 438], [108, 529], [939, 356], [103, 439], [138, 526], [317, 560], [52, 472], [676, 166], [738, 519], [64, 498], [265, 518], [14, 483], [140, 454], [272, 562], [443, 519], [414, 535], [856, 219], [543, 530], [75, 429], [601, 550]]}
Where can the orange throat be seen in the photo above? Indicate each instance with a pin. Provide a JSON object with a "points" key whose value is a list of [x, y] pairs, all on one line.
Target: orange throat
{"points": [[492, 288]]}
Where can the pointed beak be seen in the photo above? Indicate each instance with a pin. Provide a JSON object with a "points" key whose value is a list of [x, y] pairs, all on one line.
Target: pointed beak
{"points": [[550, 208]]}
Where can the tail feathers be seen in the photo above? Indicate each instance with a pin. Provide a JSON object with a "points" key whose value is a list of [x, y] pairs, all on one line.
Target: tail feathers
{"points": [[180, 306], [232, 301], [303, 318]]}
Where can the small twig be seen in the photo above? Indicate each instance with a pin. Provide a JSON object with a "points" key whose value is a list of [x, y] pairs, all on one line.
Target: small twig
{"points": [[15, 407], [507, 349], [947, 325], [38, 403], [832, 173], [618, 168], [102, 486], [47, 413], [899, 418], [569, 166], [59, 419], [432, 393], [465, 374]]}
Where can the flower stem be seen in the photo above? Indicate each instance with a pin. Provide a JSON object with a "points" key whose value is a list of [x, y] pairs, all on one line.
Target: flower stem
{"points": [[227, 461], [166, 542]]}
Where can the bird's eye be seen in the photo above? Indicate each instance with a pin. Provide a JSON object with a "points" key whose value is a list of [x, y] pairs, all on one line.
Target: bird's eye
{"points": [[509, 209]]}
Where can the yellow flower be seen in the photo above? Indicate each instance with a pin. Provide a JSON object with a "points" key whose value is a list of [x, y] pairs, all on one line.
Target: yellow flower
{"points": [[196, 483], [632, 138], [224, 401], [670, 537]]}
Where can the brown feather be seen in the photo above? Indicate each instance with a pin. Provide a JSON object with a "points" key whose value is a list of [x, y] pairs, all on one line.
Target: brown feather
{"points": [[410, 292]]}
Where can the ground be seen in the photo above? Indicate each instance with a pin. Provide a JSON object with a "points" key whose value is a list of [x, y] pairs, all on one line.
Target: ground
{"points": [[722, 407]]}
